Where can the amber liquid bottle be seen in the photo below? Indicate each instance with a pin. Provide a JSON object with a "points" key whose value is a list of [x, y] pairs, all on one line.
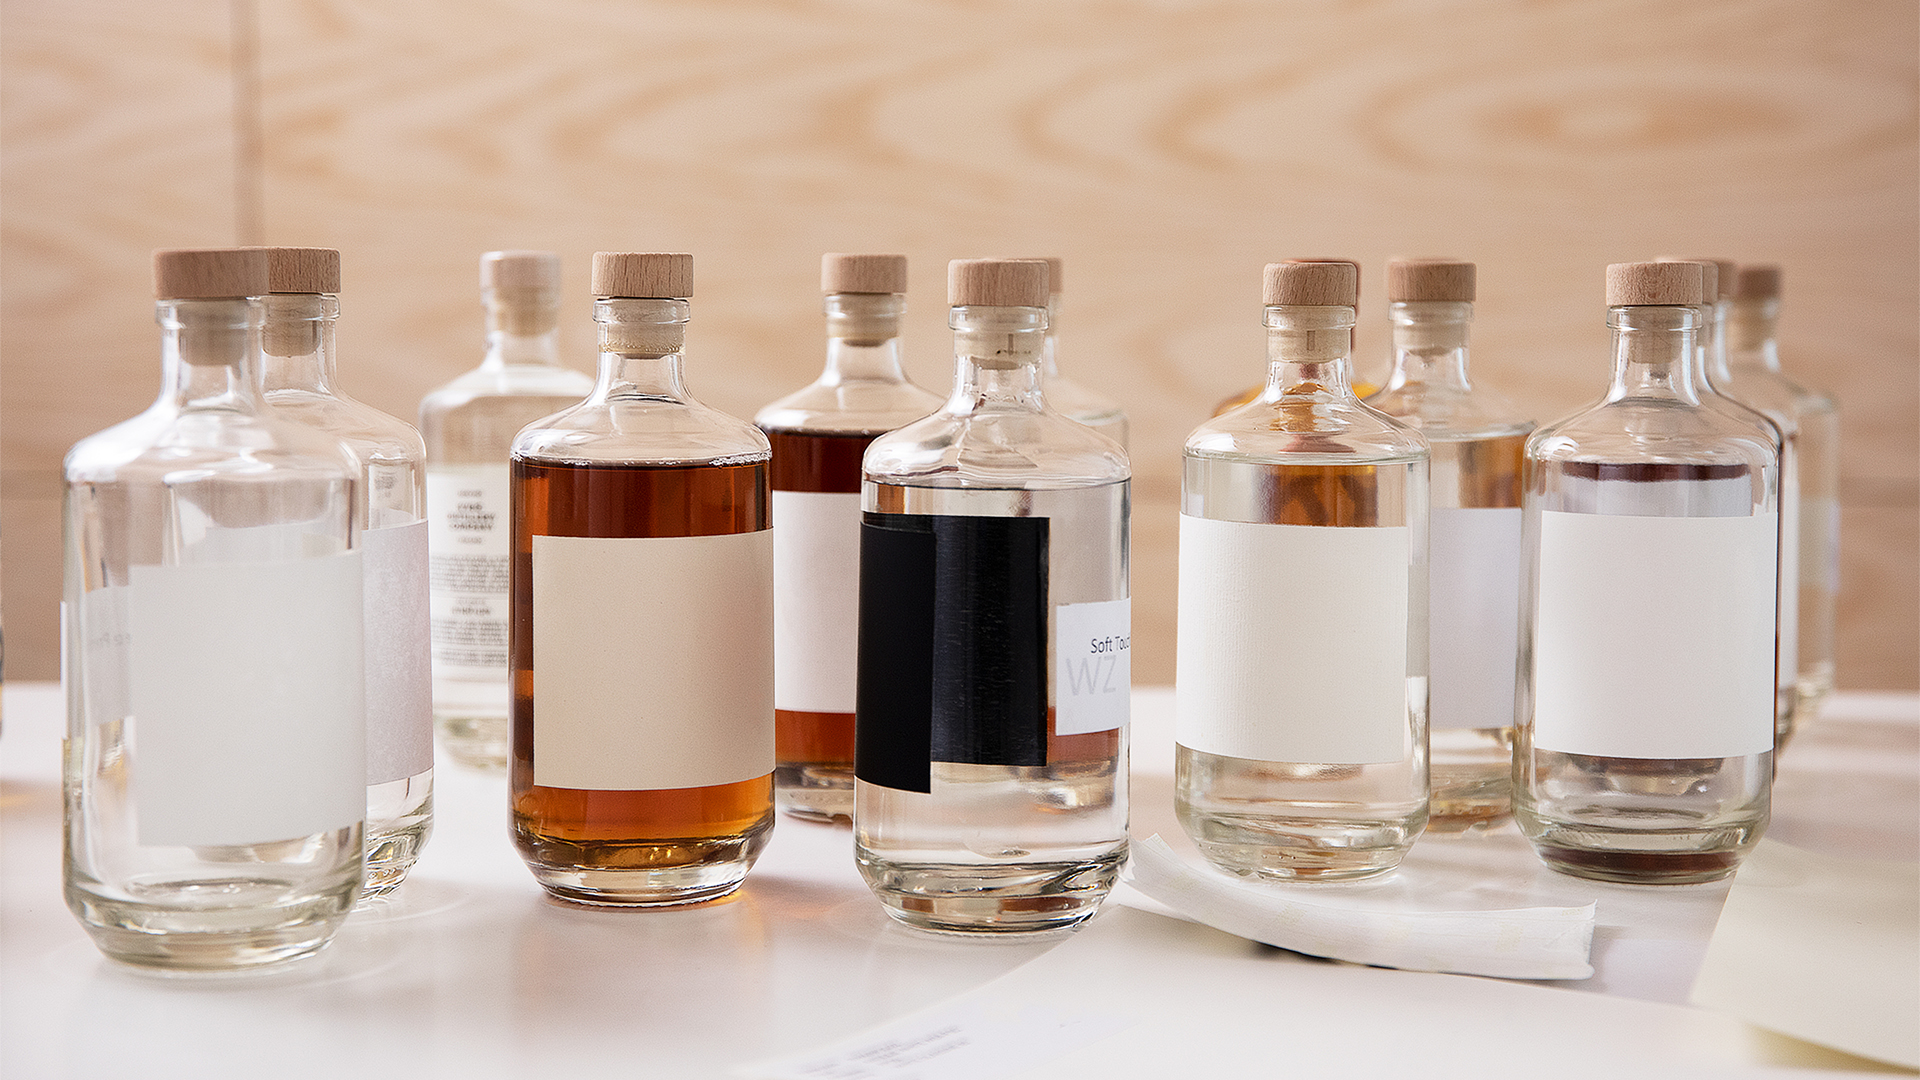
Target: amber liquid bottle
{"points": [[643, 597]]}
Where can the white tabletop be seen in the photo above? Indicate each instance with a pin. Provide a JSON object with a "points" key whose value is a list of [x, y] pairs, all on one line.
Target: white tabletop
{"points": [[470, 971]]}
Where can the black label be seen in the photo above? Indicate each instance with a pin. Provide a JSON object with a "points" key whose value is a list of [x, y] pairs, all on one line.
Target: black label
{"points": [[953, 645]]}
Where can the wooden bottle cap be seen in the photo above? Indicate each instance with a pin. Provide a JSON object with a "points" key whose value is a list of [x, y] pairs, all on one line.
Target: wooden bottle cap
{"points": [[1430, 279], [520, 271], [1332, 283], [1758, 281], [863, 273], [209, 273], [303, 270], [642, 275], [1637, 284], [1720, 276], [997, 282]]}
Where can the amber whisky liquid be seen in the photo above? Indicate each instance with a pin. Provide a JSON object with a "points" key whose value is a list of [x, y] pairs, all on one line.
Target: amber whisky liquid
{"points": [[668, 846]]}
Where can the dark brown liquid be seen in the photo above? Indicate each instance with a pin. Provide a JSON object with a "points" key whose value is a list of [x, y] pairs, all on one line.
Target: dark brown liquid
{"points": [[598, 828], [1649, 472]]}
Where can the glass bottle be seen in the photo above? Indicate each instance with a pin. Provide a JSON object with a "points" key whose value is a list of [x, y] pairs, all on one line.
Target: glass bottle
{"points": [[1473, 573], [469, 425], [1361, 387], [819, 434], [1644, 743], [301, 383], [1069, 398], [990, 761], [1301, 676], [643, 596], [216, 766], [1753, 374]]}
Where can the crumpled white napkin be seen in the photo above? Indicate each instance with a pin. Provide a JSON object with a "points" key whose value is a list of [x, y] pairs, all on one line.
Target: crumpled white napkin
{"points": [[1517, 943]]}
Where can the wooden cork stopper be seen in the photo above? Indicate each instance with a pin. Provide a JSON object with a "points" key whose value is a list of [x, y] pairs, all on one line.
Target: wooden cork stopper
{"points": [[1638, 284], [209, 273], [520, 271], [1759, 281], [997, 282], [1330, 283], [863, 273], [1430, 279], [303, 270], [1720, 280], [642, 275]]}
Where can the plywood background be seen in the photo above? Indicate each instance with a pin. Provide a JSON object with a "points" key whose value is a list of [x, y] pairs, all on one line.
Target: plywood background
{"points": [[1165, 149]]}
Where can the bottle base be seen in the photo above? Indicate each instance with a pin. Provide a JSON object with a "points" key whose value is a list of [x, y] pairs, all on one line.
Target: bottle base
{"points": [[1640, 858], [482, 742], [1281, 848], [394, 844], [815, 792], [1469, 803], [187, 936], [644, 873], [970, 899]]}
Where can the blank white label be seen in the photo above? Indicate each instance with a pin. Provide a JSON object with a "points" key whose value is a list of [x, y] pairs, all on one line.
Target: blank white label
{"points": [[1093, 666], [1653, 636], [816, 600], [1787, 675], [1473, 613], [399, 673], [1293, 642], [652, 660], [248, 700]]}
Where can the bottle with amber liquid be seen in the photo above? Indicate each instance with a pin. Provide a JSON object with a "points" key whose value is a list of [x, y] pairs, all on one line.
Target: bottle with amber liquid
{"points": [[819, 434], [1068, 397], [1473, 573], [1644, 735], [1361, 387], [1301, 676], [302, 383], [642, 629]]}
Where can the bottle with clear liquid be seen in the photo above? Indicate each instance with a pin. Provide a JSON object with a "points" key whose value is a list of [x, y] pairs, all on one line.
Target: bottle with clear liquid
{"points": [[1361, 387], [819, 434], [301, 382], [469, 425], [1067, 397], [1753, 374], [1301, 676], [1473, 573], [995, 635], [216, 768], [1644, 743], [642, 637]]}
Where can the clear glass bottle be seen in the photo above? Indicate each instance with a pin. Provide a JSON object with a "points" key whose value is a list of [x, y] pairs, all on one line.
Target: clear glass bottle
{"points": [[1065, 396], [301, 382], [1477, 441], [819, 434], [994, 677], [1301, 675], [469, 425], [643, 597], [1361, 387], [1753, 374], [1644, 748], [215, 767]]}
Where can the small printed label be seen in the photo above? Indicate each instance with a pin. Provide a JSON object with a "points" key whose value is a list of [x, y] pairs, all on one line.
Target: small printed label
{"points": [[469, 543], [653, 661], [1654, 636], [816, 600], [1473, 613], [251, 728], [1293, 642], [399, 679], [1093, 666]]}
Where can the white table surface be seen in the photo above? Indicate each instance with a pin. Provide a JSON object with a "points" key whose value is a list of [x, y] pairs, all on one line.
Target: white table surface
{"points": [[470, 971]]}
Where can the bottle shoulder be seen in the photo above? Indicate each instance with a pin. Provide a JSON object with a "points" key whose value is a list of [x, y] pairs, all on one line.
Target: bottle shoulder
{"points": [[371, 433], [996, 449], [641, 430], [1307, 427], [168, 445], [1445, 412], [849, 405], [1653, 430], [535, 381]]}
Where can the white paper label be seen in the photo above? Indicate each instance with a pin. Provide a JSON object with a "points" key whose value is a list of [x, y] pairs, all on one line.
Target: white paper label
{"points": [[1093, 666], [816, 600], [1787, 673], [1820, 543], [1293, 641], [248, 700], [399, 680], [470, 541], [1654, 636], [103, 650], [1473, 613], [653, 661]]}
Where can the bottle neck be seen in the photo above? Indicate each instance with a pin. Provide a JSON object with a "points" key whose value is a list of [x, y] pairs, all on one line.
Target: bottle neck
{"points": [[1049, 362], [641, 343], [1653, 353], [863, 338], [1309, 353], [1751, 335], [297, 340], [1430, 344], [998, 353], [1710, 349], [523, 328], [209, 352]]}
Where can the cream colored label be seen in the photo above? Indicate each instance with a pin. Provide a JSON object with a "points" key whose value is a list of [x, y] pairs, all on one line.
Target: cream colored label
{"points": [[399, 683], [652, 661], [1293, 642], [1654, 636], [1473, 612], [816, 599]]}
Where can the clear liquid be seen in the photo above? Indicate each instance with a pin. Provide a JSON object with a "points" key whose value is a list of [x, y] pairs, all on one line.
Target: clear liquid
{"points": [[1011, 848]]}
